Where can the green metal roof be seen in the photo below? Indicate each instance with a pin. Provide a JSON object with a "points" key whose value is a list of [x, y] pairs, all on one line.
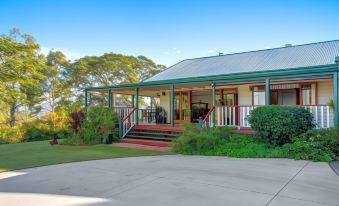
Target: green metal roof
{"points": [[314, 59], [300, 56]]}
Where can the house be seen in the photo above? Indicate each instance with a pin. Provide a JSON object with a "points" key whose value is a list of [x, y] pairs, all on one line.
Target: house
{"points": [[222, 90]]}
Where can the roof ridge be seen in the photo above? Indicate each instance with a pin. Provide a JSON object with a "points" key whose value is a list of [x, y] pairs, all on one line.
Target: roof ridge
{"points": [[259, 50]]}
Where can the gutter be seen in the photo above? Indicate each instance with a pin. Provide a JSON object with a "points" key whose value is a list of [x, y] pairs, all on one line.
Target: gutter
{"points": [[303, 71]]}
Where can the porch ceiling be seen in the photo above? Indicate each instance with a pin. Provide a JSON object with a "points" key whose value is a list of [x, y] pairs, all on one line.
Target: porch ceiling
{"points": [[154, 90]]}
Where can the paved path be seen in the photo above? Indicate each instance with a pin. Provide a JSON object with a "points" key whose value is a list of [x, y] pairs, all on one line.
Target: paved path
{"points": [[173, 180]]}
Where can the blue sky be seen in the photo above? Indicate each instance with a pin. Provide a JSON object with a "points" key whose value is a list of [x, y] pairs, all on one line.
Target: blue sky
{"points": [[169, 31]]}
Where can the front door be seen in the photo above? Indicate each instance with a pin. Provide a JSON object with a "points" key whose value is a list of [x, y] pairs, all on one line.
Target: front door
{"points": [[274, 97], [230, 100], [182, 107]]}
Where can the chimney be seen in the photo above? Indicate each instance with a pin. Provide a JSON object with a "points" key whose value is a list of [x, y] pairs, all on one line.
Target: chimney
{"points": [[288, 45]]}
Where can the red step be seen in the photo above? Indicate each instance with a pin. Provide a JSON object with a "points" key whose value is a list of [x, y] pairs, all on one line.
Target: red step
{"points": [[243, 131], [159, 128], [146, 142]]}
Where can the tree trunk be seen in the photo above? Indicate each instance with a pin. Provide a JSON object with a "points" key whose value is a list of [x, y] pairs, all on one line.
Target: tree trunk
{"points": [[12, 115]]}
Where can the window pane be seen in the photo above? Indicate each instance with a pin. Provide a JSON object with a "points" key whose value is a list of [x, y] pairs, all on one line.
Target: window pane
{"points": [[259, 98], [177, 106], [185, 106], [229, 99], [306, 96]]}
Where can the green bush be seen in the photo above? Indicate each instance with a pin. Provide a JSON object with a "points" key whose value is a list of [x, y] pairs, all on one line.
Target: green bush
{"points": [[97, 124], [304, 150], [246, 146], [11, 134], [276, 125], [38, 131], [198, 141], [316, 145]]}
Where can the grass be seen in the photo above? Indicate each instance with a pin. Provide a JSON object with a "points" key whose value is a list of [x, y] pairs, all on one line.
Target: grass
{"points": [[34, 154]]}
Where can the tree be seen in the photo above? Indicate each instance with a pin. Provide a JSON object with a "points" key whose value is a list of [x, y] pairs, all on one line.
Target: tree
{"points": [[110, 69], [21, 73], [57, 89]]}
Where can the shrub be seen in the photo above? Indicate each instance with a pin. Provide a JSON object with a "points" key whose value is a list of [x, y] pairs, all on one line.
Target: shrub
{"points": [[53, 124], [276, 125], [316, 145], [96, 125], [76, 119], [242, 146], [198, 141], [302, 149], [11, 134]]}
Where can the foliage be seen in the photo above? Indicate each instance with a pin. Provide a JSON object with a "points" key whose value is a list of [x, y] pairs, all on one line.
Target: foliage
{"points": [[53, 124], [98, 123], [316, 145], [21, 73], [38, 92], [110, 69], [56, 88], [10, 134], [197, 141], [331, 104], [276, 125], [76, 119], [247, 146]]}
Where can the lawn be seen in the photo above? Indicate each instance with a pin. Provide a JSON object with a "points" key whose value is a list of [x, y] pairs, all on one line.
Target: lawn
{"points": [[34, 154]]}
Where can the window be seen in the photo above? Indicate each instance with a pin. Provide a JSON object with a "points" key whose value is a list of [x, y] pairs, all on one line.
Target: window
{"points": [[306, 94], [258, 96], [229, 99]]}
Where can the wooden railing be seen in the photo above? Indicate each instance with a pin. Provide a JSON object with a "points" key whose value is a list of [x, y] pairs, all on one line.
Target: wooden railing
{"points": [[237, 115], [207, 121], [123, 111], [126, 123], [147, 116]]}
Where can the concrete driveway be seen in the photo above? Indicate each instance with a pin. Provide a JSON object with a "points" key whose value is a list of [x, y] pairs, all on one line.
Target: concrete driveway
{"points": [[173, 180]]}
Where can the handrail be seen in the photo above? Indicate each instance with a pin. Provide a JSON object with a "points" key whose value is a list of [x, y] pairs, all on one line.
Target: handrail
{"points": [[129, 114], [208, 114], [127, 123], [207, 118]]}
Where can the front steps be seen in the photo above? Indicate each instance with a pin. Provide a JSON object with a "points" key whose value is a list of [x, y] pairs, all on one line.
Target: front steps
{"points": [[244, 131], [154, 132], [146, 142]]}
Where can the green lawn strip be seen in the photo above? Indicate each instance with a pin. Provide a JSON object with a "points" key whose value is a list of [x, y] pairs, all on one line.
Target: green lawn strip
{"points": [[34, 154]]}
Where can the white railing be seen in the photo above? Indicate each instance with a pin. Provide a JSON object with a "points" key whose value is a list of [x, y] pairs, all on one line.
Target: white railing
{"points": [[237, 115], [123, 111], [233, 115], [207, 121], [322, 114], [127, 123]]}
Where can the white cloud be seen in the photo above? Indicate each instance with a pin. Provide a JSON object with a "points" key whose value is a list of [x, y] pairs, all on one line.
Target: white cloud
{"points": [[211, 51], [173, 51], [69, 54]]}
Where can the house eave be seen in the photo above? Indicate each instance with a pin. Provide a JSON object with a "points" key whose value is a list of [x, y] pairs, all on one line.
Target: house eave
{"points": [[272, 74]]}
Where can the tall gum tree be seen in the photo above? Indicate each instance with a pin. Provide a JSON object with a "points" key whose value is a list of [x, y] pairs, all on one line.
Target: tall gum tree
{"points": [[21, 73]]}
